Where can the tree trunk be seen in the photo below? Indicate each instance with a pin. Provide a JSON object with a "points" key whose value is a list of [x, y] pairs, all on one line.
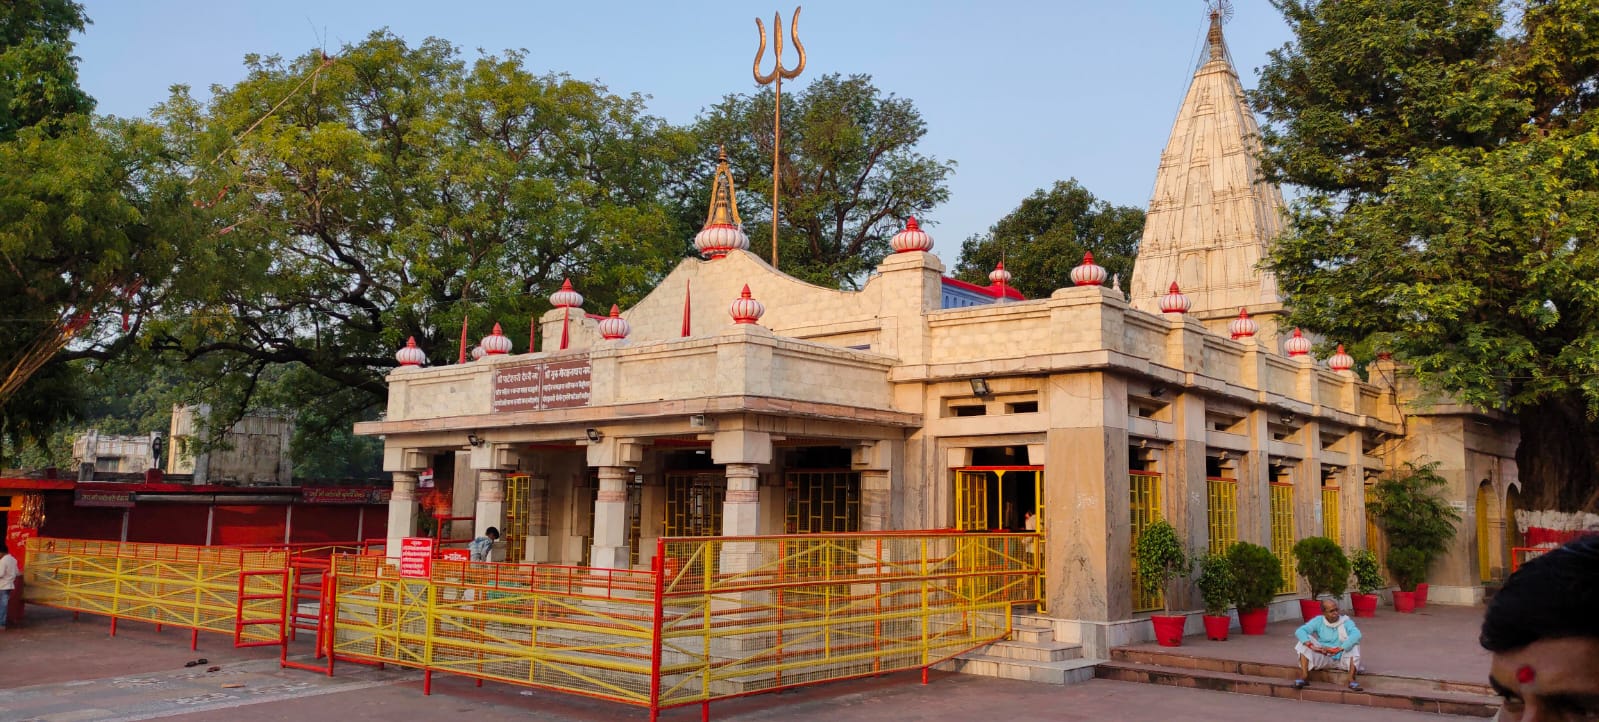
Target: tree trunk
{"points": [[1558, 459]]}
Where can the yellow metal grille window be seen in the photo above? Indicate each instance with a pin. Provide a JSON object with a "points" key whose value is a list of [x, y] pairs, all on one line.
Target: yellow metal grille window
{"points": [[1144, 488], [1484, 548], [1282, 532], [526, 514], [1222, 513], [1330, 511], [694, 504], [822, 501]]}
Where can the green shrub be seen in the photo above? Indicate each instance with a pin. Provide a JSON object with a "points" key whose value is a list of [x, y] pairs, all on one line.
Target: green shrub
{"points": [[1215, 583], [1161, 558], [1411, 509], [1368, 576], [1408, 565], [1322, 563], [1257, 575]]}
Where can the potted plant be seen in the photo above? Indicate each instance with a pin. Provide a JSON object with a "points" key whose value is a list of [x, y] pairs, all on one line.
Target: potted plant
{"points": [[1411, 509], [1215, 582], [1257, 575], [1368, 578], [1322, 563], [1161, 560], [1409, 566]]}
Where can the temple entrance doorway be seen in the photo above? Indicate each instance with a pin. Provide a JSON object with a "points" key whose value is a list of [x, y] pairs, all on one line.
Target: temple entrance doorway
{"points": [[997, 497]]}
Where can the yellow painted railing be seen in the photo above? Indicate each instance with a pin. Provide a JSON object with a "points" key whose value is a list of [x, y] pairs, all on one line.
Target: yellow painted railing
{"points": [[722, 617], [229, 590]]}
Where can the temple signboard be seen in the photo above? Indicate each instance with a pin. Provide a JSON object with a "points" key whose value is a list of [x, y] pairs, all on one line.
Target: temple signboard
{"points": [[557, 383]]}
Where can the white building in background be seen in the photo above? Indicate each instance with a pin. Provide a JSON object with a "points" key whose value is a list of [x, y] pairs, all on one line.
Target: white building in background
{"points": [[254, 451]]}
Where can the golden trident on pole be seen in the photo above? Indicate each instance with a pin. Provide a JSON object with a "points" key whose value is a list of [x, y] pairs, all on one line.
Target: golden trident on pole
{"points": [[776, 76]]}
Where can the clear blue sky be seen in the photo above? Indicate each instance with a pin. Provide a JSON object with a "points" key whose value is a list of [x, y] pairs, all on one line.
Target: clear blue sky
{"points": [[1019, 94]]}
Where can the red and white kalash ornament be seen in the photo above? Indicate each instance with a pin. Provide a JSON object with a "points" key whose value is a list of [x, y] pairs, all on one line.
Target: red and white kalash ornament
{"points": [[723, 231], [1340, 361], [478, 353], [1088, 273], [614, 327], [494, 344], [1174, 301], [566, 299], [410, 355], [913, 238], [746, 309], [1243, 326], [1297, 345]]}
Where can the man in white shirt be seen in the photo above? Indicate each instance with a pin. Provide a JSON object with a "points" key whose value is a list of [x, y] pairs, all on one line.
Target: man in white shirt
{"points": [[8, 581]]}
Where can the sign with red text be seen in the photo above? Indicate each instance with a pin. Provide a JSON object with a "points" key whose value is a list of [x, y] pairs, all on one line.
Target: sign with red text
{"points": [[416, 557], [557, 383]]}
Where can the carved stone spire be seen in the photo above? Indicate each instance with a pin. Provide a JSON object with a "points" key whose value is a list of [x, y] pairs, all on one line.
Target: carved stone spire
{"points": [[1212, 213]]}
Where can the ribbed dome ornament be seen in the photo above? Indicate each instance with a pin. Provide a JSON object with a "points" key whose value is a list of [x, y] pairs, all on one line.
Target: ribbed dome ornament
{"points": [[1243, 326], [1088, 273], [1340, 361], [1174, 301], [614, 327], [566, 297], [723, 231], [410, 355], [1297, 345], [477, 353], [495, 343], [913, 238], [999, 276], [746, 309]]}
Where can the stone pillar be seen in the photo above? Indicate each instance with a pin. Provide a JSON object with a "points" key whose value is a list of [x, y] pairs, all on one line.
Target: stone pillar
{"points": [[490, 508], [610, 520], [873, 461], [1088, 543], [402, 511], [741, 517], [1187, 497]]}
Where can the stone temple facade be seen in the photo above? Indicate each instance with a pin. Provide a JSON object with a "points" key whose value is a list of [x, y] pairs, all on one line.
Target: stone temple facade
{"points": [[735, 400]]}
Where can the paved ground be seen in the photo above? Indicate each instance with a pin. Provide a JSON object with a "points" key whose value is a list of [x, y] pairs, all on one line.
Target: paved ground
{"points": [[1436, 642], [58, 670]]}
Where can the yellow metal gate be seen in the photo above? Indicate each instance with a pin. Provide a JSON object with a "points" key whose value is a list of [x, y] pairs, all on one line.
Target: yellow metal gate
{"points": [[1144, 503], [1222, 512], [985, 496], [1282, 532]]}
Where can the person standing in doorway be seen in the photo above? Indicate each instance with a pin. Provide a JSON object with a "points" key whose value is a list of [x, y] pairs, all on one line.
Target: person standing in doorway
{"points": [[8, 581]]}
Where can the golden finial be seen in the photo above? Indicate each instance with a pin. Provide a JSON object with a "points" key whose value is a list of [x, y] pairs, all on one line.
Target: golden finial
{"points": [[724, 202], [1220, 12]]}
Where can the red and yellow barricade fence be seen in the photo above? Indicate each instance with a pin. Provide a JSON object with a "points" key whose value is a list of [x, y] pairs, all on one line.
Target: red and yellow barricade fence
{"points": [[721, 617], [228, 590]]}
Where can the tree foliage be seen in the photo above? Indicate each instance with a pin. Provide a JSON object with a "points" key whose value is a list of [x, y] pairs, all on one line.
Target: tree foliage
{"points": [[851, 174], [1451, 164], [93, 217], [1045, 238], [399, 190]]}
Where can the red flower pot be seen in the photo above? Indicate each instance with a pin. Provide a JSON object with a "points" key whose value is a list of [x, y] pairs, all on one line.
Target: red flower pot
{"points": [[1365, 604], [1405, 602], [1168, 629], [1309, 608], [1216, 627], [1421, 595], [1253, 621]]}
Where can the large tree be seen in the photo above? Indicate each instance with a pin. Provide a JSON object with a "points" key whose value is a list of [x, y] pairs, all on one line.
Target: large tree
{"points": [[391, 191], [1450, 161], [93, 214], [851, 174], [1046, 236]]}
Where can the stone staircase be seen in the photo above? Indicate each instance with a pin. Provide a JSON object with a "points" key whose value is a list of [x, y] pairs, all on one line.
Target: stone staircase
{"points": [[1030, 654], [1276, 680]]}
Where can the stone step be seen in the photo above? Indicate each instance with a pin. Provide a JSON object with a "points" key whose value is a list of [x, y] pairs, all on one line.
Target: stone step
{"points": [[1032, 634], [1440, 702], [1378, 681], [1070, 671], [1050, 651]]}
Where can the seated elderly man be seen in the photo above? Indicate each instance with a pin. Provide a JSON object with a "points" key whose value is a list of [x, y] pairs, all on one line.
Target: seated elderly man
{"points": [[1330, 641]]}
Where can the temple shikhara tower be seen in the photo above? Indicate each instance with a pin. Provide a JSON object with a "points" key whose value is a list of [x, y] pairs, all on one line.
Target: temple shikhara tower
{"points": [[1212, 214]]}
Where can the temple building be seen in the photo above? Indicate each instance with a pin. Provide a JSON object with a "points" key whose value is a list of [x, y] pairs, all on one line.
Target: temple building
{"points": [[735, 400]]}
